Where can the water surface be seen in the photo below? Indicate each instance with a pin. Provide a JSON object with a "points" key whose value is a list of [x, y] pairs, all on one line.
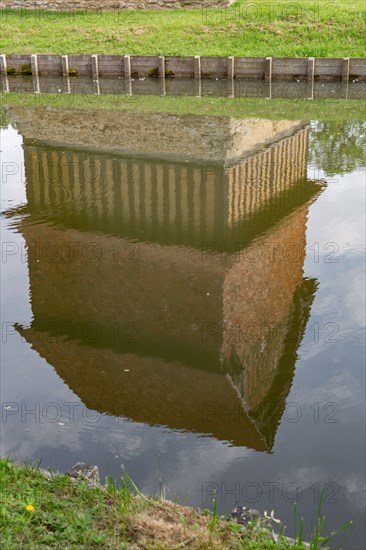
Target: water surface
{"points": [[184, 296]]}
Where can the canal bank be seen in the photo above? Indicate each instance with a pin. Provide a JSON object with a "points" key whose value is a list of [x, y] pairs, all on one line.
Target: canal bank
{"points": [[49, 508]]}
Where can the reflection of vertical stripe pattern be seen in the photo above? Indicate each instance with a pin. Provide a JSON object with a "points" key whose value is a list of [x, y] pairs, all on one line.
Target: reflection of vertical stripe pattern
{"points": [[267, 174], [162, 196]]}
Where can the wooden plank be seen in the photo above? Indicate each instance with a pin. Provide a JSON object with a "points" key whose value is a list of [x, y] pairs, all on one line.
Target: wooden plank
{"points": [[81, 63], [179, 66], [18, 62], [357, 68], [213, 67], [250, 67], [111, 65], [49, 65], [289, 68], [328, 68], [144, 65]]}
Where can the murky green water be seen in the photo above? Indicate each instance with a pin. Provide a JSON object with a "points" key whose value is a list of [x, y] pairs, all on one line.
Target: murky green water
{"points": [[184, 296]]}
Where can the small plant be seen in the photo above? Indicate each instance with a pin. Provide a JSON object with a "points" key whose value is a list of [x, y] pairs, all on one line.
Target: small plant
{"points": [[25, 69], [215, 516], [72, 72], [169, 73], [318, 540], [153, 72]]}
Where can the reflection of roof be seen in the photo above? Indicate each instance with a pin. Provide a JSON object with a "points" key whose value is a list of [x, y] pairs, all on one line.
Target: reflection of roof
{"points": [[170, 394], [154, 391]]}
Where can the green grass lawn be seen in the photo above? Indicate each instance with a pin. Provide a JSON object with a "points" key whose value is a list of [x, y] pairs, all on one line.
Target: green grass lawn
{"points": [[60, 512], [301, 28]]}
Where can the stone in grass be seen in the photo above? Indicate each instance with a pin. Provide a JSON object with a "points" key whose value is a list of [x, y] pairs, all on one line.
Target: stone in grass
{"points": [[89, 472], [243, 515]]}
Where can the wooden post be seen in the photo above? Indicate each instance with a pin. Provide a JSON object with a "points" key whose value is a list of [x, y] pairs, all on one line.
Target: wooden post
{"points": [[6, 80], [127, 63], [197, 66], [311, 68], [35, 74], [65, 65], [270, 91], [268, 69], [163, 87], [128, 85], [34, 65], [95, 66], [345, 69], [310, 76], [198, 87], [161, 66], [231, 67], [231, 88], [65, 71], [4, 63]]}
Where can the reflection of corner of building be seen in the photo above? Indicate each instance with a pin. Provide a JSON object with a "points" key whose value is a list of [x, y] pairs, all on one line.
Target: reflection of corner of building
{"points": [[263, 399]]}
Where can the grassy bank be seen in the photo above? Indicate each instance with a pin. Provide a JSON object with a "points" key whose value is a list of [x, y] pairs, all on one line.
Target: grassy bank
{"points": [[326, 110], [302, 28], [60, 512]]}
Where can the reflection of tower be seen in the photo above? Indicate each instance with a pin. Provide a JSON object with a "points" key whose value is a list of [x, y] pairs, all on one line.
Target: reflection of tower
{"points": [[115, 242]]}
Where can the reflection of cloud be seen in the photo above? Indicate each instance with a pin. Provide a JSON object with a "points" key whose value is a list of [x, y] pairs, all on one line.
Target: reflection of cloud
{"points": [[342, 389], [338, 216], [334, 323], [12, 185], [183, 460], [351, 483], [354, 485], [303, 477], [354, 299]]}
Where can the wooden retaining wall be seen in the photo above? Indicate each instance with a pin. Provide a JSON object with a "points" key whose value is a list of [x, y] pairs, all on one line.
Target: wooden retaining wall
{"points": [[268, 68]]}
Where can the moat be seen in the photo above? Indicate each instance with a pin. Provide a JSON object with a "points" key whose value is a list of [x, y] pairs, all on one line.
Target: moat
{"points": [[183, 296]]}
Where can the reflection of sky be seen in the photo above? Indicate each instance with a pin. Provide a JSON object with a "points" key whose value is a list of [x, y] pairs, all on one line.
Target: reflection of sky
{"points": [[12, 181], [306, 452]]}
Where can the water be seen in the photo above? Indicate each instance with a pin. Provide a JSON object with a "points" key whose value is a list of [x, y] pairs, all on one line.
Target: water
{"points": [[184, 297], [126, 89]]}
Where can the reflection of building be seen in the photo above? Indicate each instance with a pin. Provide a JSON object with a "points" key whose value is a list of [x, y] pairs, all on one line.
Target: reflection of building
{"points": [[201, 178], [119, 280], [170, 201]]}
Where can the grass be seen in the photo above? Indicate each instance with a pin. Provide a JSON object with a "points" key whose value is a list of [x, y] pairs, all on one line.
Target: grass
{"points": [[58, 512], [302, 28], [327, 110]]}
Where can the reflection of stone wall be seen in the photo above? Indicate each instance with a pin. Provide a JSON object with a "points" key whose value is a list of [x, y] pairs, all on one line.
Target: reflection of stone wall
{"points": [[196, 137], [162, 290]]}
